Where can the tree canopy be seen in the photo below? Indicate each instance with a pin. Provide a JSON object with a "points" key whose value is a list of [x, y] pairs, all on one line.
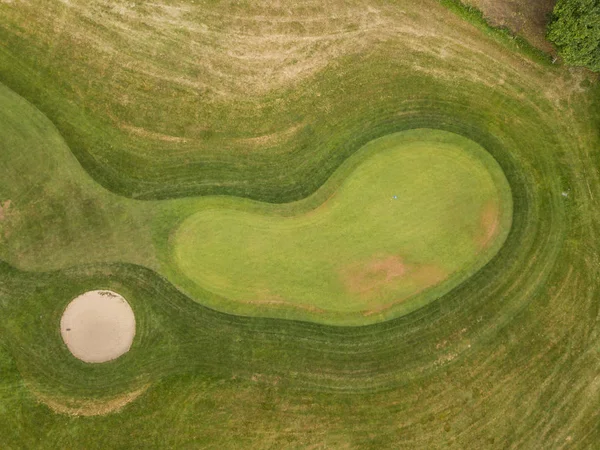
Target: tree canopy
{"points": [[575, 30]]}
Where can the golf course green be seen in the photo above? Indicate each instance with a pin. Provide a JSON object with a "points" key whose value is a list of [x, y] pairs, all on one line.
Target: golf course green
{"points": [[421, 211]]}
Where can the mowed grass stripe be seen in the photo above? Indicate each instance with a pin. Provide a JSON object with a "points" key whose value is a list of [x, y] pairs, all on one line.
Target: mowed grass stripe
{"points": [[506, 359], [118, 229]]}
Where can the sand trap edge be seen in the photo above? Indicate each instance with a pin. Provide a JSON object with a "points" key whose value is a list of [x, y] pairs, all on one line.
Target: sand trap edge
{"points": [[98, 326]]}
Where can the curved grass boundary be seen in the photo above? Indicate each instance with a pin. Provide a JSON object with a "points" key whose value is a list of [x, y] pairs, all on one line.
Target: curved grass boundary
{"points": [[388, 220], [312, 137], [185, 348], [48, 195], [508, 359]]}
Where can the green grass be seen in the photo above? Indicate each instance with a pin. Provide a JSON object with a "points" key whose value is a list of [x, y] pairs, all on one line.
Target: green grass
{"points": [[441, 180], [100, 105], [419, 212]]}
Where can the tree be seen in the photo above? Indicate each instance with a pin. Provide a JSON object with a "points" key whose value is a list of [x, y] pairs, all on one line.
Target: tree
{"points": [[575, 30]]}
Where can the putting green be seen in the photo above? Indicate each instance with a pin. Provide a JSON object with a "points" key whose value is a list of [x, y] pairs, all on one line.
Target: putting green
{"points": [[415, 213]]}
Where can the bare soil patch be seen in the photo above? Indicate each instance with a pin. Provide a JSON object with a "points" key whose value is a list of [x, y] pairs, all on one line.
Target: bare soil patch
{"points": [[527, 18], [98, 326]]}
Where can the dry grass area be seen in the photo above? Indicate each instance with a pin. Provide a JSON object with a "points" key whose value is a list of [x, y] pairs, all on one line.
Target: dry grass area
{"points": [[88, 407], [266, 45], [527, 18], [198, 59]]}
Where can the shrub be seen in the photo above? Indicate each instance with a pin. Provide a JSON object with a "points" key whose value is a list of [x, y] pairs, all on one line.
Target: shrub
{"points": [[575, 30]]}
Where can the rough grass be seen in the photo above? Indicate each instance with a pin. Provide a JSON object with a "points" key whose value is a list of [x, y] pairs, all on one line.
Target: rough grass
{"points": [[526, 18], [508, 359]]}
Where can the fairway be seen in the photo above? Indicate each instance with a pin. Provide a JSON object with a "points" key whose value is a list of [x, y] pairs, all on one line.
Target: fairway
{"points": [[421, 211], [358, 224]]}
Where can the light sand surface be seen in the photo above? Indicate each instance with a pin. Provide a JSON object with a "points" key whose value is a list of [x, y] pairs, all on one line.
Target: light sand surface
{"points": [[98, 326]]}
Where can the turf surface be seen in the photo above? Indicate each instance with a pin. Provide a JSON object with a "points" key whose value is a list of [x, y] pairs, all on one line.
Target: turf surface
{"points": [[258, 104], [451, 214], [419, 213]]}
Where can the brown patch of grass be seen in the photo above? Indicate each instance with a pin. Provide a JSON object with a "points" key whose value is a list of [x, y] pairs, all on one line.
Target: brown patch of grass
{"points": [[8, 215], [368, 280], [424, 276], [364, 278], [371, 278], [88, 407], [142, 132], [273, 138], [4, 207], [490, 218]]}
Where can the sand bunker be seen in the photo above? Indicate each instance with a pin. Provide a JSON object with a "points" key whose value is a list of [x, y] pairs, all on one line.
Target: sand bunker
{"points": [[98, 326]]}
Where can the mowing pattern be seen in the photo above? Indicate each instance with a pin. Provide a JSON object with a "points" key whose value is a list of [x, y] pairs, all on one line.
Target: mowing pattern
{"points": [[421, 212], [103, 102]]}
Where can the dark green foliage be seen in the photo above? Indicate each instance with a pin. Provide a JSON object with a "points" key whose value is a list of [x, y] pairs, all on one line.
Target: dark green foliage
{"points": [[500, 33], [575, 30]]}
